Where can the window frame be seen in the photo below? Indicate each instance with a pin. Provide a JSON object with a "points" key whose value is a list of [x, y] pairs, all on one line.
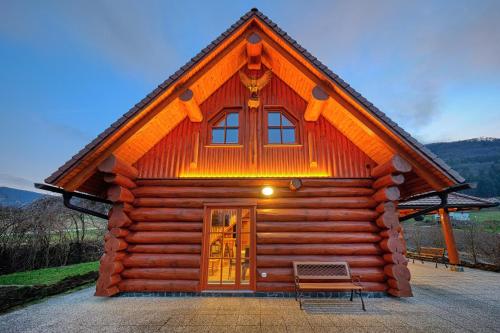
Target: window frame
{"points": [[295, 125], [223, 114]]}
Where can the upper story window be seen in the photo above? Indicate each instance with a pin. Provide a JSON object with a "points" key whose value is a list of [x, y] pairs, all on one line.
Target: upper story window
{"points": [[280, 129], [226, 129]]}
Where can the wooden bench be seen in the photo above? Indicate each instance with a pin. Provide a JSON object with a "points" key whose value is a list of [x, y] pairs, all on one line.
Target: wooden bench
{"points": [[435, 254], [325, 276]]}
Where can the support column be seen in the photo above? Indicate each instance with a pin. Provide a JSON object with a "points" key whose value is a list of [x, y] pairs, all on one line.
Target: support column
{"points": [[449, 239], [121, 178], [387, 178]]}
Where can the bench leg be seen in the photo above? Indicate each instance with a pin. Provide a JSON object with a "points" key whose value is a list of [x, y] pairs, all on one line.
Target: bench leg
{"points": [[362, 301], [436, 263], [352, 292]]}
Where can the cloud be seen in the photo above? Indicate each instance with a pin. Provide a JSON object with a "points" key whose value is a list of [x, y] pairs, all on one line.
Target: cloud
{"points": [[21, 183]]}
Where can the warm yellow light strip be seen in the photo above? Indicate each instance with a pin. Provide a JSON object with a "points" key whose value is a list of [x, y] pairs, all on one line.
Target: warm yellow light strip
{"points": [[253, 175]]}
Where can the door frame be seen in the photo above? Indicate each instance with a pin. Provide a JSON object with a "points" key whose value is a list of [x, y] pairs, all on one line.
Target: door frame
{"points": [[252, 207]]}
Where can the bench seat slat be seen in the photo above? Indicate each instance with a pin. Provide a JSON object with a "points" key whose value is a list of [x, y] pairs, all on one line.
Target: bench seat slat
{"points": [[329, 286]]}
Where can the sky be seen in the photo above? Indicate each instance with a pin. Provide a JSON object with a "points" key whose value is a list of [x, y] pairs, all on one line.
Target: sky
{"points": [[68, 69]]}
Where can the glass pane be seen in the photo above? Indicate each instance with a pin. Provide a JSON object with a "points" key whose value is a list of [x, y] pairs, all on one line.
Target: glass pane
{"points": [[285, 121], [245, 271], [215, 245], [232, 119], [288, 135], [273, 119], [228, 271], [221, 123], [229, 247], [273, 135], [232, 136], [217, 135], [214, 270], [245, 245]]}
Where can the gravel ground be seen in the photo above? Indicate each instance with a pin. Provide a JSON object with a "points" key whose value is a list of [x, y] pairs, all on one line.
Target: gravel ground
{"points": [[444, 301]]}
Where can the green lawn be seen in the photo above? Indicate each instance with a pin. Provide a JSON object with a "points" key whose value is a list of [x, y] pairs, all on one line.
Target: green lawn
{"points": [[48, 275]]}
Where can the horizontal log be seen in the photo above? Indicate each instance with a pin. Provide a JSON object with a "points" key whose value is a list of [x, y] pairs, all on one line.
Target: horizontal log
{"points": [[106, 280], [119, 232], [289, 215], [120, 180], [158, 285], [287, 260], [246, 192], [395, 165], [114, 244], [162, 273], [255, 182], [372, 274], [118, 218], [332, 226], [111, 268], [319, 249], [388, 220], [319, 202], [289, 286], [387, 206], [398, 272], [147, 260], [166, 226], [392, 245], [165, 248], [387, 194], [112, 257], [167, 214], [395, 258], [316, 237], [115, 165], [400, 293], [388, 180], [393, 232], [164, 237], [106, 292], [119, 194]]}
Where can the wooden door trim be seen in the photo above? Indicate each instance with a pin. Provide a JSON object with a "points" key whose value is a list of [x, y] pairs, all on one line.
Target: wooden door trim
{"points": [[253, 246]]}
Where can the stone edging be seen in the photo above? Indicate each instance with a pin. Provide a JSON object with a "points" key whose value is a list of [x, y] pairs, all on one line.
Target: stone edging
{"points": [[11, 296], [254, 295]]}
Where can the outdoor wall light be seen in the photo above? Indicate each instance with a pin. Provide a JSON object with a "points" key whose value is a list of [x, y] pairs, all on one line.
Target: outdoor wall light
{"points": [[267, 191]]}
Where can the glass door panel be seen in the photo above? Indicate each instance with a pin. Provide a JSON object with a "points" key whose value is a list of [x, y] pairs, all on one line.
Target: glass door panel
{"points": [[229, 248]]}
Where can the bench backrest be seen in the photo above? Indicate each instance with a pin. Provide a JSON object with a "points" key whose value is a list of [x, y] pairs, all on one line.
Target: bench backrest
{"points": [[433, 251], [317, 270]]}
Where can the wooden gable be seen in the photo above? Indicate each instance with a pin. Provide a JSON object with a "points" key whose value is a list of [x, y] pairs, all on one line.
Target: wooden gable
{"points": [[321, 150]]}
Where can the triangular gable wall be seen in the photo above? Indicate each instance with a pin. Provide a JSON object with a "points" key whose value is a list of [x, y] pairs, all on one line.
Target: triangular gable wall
{"points": [[186, 152]]}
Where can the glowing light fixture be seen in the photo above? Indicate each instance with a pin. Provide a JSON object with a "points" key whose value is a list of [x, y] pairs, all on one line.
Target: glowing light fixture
{"points": [[267, 190]]}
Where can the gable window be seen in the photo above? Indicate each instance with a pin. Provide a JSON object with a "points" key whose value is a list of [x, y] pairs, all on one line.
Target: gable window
{"points": [[280, 129], [226, 129]]}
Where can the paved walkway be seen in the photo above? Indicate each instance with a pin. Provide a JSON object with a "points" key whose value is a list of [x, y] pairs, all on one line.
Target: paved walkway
{"points": [[444, 302]]}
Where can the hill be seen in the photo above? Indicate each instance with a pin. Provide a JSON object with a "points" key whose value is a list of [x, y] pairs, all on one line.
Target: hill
{"points": [[14, 197], [477, 160]]}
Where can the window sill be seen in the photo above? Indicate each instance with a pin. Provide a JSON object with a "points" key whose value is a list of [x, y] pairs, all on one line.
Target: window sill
{"points": [[224, 146], [284, 145]]}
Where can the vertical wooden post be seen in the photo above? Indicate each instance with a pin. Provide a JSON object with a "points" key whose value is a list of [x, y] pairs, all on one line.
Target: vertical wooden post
{"points": [[449, 239]]}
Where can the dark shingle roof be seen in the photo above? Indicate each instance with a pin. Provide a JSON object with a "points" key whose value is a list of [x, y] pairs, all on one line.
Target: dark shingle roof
{"points": [[455, 200], [254, 12]]}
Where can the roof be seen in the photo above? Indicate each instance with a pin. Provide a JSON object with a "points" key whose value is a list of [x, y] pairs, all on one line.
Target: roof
{"points": [[455, 200], [173, 79]]}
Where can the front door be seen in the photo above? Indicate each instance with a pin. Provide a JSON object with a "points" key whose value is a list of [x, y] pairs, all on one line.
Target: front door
{"points": [[229, 249]]}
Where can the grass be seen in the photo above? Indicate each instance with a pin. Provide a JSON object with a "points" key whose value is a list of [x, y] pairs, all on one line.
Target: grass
{"points": [[48, 276]]}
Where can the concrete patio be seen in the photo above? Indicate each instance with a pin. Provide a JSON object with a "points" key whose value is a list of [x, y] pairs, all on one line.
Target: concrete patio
{"points": [[444, 301]]}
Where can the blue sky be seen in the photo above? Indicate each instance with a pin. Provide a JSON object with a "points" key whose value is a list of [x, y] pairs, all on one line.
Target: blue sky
{"points": [[70, 68]]}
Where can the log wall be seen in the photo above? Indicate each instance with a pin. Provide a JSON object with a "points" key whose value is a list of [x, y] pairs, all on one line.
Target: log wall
{"points": [[388, 177], [326, 219]]}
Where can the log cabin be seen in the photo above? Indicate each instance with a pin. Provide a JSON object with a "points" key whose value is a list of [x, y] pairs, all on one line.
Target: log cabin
{"points": [[251, 156]]}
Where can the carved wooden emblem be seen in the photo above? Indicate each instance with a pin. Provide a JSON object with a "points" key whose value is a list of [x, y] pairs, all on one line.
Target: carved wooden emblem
{"points": [[255, 86]]}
